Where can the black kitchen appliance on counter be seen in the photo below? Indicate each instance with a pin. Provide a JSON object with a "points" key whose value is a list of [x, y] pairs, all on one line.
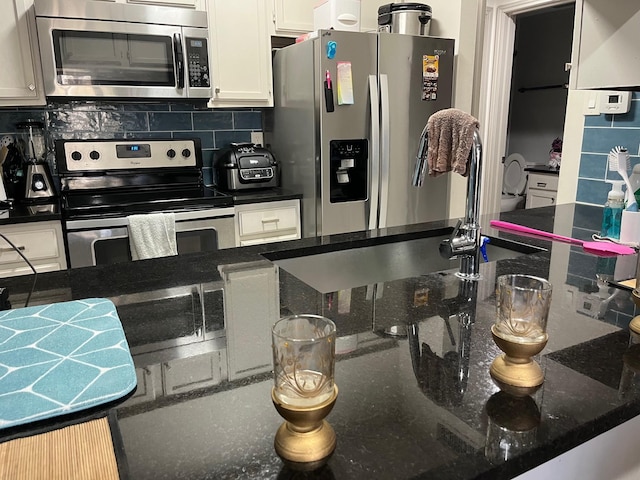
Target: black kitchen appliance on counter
{"points": [[246, 166], [38, 183]]}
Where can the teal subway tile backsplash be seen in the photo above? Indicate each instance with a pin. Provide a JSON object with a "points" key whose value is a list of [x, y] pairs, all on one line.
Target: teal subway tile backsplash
{"points": [[592, 191], [601, 134], [602, 140], [593, 166], [213, 120], [224, 138], [247, 120], [137, 120], [170, 121]]}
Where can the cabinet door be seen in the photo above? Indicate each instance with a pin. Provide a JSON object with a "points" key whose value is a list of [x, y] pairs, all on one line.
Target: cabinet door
{"points": [[608, 54], [293, 17], [185, 374], [540, 198], [241, 54], [267, 222], [251, 307], [21, 80], [41, 242]]}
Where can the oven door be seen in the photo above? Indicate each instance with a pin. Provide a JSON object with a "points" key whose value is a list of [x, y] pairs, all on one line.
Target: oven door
{"points": [[106, 241]]}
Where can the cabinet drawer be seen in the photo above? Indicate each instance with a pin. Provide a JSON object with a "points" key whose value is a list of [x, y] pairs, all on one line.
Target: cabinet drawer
{"points": [[252, 222], [36, 243], [186, 374], [20, 268], [543, 182]]}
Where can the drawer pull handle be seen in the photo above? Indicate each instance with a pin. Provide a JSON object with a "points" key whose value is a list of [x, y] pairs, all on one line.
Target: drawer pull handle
{"points": [[270, 220], [10, 249], [541, 184]]}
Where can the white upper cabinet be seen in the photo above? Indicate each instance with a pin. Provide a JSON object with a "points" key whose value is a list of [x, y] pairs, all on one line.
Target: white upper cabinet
{"points": [[21, 79], [606, 53], [292, 17], [240, 53], [295, 17]]}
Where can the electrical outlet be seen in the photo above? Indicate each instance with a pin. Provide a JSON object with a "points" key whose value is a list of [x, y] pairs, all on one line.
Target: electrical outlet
{"points": [[257, 138]]}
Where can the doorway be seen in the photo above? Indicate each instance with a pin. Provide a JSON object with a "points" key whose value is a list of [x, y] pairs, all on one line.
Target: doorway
{"points": [[507, 128]]}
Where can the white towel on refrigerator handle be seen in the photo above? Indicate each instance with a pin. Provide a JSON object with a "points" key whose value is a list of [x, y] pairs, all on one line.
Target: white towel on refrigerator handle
{"points": [[152, 235]]}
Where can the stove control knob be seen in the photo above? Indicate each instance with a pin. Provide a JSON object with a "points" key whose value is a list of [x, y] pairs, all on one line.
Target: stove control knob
{"points": [[76, 155], [186, 153], [171, 153], [94, 155]]}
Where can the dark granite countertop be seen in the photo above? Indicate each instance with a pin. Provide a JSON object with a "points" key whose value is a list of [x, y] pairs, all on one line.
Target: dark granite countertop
{"points": [[417, 405], [23, 213], [242, 197], [543, 169], [38, 212]]}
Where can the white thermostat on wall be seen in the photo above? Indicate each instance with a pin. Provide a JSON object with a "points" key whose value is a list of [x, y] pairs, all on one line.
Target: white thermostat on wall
{"points": [[613, 102]]}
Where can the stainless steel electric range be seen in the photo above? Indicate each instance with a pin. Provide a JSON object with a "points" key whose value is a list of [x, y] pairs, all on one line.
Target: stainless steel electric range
{"points": [[102, 182]]}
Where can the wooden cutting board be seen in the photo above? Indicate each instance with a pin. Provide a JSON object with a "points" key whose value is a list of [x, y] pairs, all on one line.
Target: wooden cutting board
{"points": [[79, 452]]}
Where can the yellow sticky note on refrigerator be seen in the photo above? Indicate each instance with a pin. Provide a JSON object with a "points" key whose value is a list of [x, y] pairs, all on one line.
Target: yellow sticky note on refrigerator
{"points": [[345, 84]]}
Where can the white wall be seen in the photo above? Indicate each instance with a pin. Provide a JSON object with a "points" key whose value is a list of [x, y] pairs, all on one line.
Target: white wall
{"points": [[465, 23]]}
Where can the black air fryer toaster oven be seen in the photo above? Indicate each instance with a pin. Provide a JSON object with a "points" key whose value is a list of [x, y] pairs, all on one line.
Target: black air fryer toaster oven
{"points": [[245, 166]]}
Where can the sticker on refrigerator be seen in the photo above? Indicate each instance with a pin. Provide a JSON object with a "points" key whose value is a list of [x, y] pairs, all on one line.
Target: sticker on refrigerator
{"points": [[345, 84], [430, 71]]}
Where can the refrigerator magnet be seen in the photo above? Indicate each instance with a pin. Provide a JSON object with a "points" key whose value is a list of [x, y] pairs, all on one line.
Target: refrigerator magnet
{"points": [[331, 49], [345, 84], [430, 73]]}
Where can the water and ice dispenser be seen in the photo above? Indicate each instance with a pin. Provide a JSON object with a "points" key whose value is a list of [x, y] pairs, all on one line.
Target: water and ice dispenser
{"points": [[348, 168]]}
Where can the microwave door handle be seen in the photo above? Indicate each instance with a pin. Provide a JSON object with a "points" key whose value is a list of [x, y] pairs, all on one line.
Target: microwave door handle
{"points": [[177, 48]]}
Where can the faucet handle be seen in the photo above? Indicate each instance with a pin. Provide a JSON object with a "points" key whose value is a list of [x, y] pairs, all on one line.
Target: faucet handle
{"points": [[446, 246], [456, 229]]}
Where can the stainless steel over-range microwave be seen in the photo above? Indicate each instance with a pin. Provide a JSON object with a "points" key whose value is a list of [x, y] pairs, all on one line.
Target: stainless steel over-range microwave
{"points": [[92, 48]]}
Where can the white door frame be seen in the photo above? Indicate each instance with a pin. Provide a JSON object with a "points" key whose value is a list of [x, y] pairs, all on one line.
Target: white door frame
{"points": [[495, 89]]}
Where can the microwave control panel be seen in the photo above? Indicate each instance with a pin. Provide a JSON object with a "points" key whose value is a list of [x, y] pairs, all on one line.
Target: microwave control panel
{"points": [[198, 62]]}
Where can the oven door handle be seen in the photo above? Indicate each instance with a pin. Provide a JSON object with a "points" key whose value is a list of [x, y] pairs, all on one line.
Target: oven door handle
{"points": [[225, 212]]}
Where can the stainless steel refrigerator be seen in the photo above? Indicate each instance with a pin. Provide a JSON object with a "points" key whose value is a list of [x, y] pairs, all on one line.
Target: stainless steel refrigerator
{"points": [[349, 109]]}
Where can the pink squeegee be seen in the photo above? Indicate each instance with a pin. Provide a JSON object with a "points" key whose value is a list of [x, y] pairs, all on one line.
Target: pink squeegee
{"points": [[607, 248]]}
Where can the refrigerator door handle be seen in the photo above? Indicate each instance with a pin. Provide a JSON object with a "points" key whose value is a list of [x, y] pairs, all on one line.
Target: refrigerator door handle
{"points": [[384, 150], [374, 161]]}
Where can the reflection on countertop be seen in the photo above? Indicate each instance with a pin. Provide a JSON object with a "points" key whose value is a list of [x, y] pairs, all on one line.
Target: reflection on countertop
{"points": [[416, 399], [29, 212]]}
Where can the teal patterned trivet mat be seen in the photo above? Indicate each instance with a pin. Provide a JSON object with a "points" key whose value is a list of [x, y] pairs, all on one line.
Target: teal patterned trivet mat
{"points": [[61, 358]]}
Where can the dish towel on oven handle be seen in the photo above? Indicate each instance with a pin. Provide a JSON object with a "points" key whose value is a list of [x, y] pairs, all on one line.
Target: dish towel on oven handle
{"points": [[152, 235]]}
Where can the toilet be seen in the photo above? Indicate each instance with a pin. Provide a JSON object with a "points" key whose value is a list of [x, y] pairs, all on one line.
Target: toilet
{"points": [[514, 181]]}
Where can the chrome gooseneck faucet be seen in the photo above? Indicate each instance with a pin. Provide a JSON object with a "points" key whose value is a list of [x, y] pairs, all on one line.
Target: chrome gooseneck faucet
{"points": [[464, 242]]}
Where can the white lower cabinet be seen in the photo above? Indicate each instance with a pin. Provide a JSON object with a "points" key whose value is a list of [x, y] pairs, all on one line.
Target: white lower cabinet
{"points": [[267, 222], [542, 190], [185, 374], [251, 307], [149, 385], [40, 242]]}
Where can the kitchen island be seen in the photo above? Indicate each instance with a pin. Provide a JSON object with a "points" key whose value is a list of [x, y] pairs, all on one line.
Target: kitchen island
{"points": [[416, 399]]}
